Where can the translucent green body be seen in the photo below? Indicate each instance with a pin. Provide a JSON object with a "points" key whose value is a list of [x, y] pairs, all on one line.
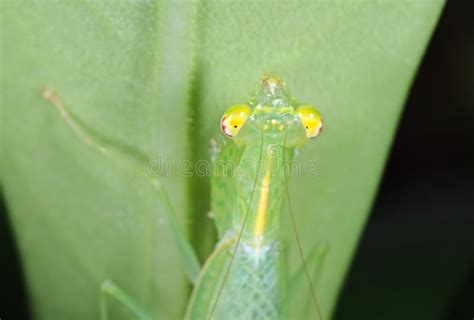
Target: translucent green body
{"points": [[254, 287], [247, 191]]}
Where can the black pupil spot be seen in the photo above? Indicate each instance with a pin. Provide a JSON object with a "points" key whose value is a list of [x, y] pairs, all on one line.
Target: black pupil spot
{"points": [[306, 127], [235, 127]]}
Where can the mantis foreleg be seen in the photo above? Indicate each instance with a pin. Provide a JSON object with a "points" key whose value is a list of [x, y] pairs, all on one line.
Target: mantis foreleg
{"points": [[137, 161], [108, 288]]}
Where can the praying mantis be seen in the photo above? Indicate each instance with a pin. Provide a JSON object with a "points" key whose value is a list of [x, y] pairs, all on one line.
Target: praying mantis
{"points": [[245, 277]]}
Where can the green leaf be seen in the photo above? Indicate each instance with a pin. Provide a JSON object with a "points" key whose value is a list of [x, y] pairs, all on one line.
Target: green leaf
{"points": [[157, 76]]}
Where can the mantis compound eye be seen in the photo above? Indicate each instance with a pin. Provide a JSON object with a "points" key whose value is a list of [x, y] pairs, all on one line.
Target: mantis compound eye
{"points": [[234, 119], [311, 120]]}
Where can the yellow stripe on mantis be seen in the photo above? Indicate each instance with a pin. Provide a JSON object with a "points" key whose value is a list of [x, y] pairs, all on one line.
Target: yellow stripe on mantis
{"points": [[260, 220]]}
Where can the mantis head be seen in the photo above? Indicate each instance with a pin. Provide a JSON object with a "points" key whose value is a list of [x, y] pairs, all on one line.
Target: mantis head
{"points": [[272, 114]]}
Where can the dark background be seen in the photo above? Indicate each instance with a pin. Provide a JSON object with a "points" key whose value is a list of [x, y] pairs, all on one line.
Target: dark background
{"points": [[416, 256], [415, 259]]}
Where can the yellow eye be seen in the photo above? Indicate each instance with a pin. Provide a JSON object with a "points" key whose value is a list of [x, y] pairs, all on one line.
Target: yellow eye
{"points": [[311, 120], [234, 118]]}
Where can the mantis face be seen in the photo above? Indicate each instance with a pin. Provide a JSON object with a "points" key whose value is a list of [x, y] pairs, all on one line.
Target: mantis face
{"points": [[272, 114]]}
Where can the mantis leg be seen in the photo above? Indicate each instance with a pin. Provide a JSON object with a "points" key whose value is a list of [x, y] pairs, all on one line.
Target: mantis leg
{"points": [[108, 288], [207, 286], [139, 162]]}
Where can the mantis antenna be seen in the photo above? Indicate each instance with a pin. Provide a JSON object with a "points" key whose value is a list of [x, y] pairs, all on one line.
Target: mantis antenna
{"points": [[298, 242]]}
